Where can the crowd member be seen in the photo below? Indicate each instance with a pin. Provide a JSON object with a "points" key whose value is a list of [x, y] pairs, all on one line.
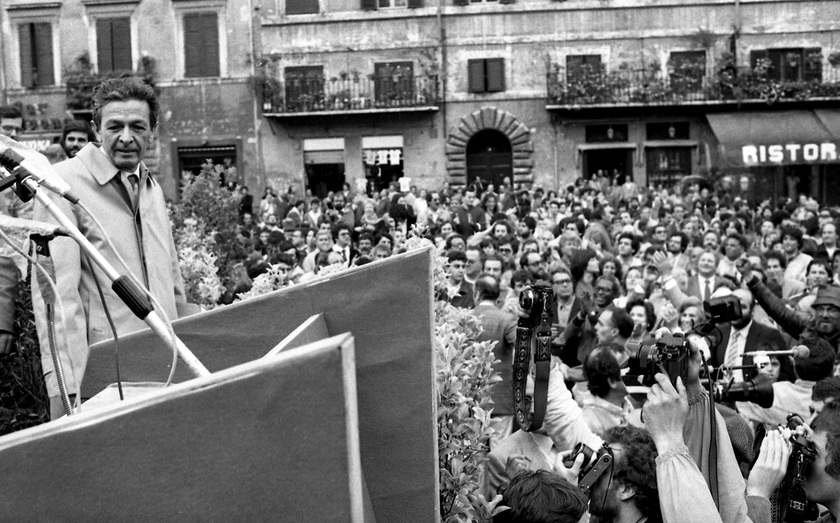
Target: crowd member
{"points": [[608, 405], [75, 135]]}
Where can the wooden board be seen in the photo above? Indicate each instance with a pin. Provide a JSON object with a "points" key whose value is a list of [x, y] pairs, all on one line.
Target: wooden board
{"points": [[310, 331], [219, 448], [387, 306]]}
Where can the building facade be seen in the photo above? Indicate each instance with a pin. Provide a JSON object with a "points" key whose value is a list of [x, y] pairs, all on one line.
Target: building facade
{"points": [[545, 91], [198, 52]]}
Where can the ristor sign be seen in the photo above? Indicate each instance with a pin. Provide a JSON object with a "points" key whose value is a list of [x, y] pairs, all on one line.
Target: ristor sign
{"points": [[788, 154]]}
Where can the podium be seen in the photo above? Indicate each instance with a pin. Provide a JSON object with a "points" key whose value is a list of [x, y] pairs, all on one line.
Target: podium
{"points": [[320, 407]]}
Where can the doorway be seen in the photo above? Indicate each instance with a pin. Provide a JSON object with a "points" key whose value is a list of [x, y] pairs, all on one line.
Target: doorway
{"points": [[489, 158], [616, 163]]}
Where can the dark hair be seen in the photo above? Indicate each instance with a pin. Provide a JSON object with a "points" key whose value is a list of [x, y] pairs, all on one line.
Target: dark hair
{"points": [[10, 111], [77, 126], [828, 421], [492, 257], [541, 497], [123, 90], [634, 242], [340, 226], [366, 236], [453, 236], [282, 257], [456, 255], [775, 255], [530, 222], [683, 240], [819, 363], [599, 367], [649, 311], [487, 287], [613, 281], [793, 232], [578, 224], [622, 321], [827, 388], [521, 276], [636, 467], [740, 238], [825, 263], [619, 270]]}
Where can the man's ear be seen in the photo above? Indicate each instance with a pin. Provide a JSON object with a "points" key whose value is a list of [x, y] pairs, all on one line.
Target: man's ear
{"points": [[96, 131], [625, 492], [614, 383]]}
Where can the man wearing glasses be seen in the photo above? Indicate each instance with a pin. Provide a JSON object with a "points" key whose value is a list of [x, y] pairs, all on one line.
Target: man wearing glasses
{"points": [[566, 306]]}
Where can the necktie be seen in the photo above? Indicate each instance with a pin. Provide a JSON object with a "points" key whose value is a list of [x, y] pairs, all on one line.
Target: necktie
{"points": [[732, 354], [132, 187], [707, 290]]}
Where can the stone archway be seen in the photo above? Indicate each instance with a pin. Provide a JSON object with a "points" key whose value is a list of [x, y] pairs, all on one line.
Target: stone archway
{"points": [[490, 118]]}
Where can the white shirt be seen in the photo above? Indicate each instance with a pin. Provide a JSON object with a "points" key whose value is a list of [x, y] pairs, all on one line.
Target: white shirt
{"points": [[702, 281]]}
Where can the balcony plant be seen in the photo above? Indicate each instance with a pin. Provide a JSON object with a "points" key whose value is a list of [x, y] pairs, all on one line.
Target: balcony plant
{"points": [[81, 78]]}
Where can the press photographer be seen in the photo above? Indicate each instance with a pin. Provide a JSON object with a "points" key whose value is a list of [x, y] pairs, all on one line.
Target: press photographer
{"points": [[822, 478]]}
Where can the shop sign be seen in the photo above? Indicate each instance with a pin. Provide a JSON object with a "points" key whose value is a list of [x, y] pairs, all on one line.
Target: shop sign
{"points": [[787, 154]]}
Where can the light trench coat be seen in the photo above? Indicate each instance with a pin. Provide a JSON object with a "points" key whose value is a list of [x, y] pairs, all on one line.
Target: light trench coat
{"points": [[142, 236]]}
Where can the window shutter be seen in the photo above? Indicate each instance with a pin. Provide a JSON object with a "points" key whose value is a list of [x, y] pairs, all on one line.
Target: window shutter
{"points": [[26, 55], [43, 54], [812, 72], [368, 5], [413, 4], [103, 45], [495, 74], [211, 45], [192, 45], [301, 7], [475, 74], [462, 2], [121, 44]]}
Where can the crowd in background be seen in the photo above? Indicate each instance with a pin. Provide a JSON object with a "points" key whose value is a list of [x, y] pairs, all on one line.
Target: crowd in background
{"points": [[623, 262]]}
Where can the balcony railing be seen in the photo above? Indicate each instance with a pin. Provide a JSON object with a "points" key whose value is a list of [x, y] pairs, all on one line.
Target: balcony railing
{"points": [[368, 94], [626, 87]]}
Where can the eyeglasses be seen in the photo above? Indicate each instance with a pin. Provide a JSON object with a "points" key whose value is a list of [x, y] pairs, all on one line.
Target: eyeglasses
{"points": [[562, 282]]}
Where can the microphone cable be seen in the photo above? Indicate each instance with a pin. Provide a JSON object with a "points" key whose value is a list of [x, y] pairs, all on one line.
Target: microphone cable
{"points": [[59, 371], [113, 327]]}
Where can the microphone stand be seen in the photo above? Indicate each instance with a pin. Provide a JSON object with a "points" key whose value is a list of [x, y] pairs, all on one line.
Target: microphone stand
{"points": [[152, 319]]}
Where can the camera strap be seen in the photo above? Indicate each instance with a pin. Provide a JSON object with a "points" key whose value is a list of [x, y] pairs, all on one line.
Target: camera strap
{"points": [[521, 368]]}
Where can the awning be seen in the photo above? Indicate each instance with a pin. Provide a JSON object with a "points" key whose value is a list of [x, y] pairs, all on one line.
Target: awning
{"points": [[773, 138]]}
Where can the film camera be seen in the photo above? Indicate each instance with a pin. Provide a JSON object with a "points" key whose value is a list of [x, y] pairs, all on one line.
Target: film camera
{"points": [[590, 471], [797, 508], [723, 309], [758, 390], [533, 330], [669, 355]]}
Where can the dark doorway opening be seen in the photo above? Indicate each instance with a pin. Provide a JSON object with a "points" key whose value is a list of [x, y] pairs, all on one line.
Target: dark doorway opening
{"points": [[616, 163], [797, 180], [489, 158], [322, 178]]}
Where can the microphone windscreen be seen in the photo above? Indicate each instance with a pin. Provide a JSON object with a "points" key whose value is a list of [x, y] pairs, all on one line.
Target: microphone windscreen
{"points": [[801, 351]]}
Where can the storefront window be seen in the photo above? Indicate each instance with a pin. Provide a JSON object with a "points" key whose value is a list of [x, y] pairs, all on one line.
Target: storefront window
{"points": [[666, 165], [383, 160], [323, 159]]}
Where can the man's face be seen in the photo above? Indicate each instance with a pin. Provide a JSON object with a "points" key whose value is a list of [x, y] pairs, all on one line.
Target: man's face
{"points": [[365, 245], [774, 270], [324, 242], [674, 245], [493, 268], [500, 231], [710, 241], [523, 230], [469, 199], [604, 293], [74, 142], [473, 262], [746, 300], [820, 487], [506, 252], [660, 234], [534, 263], [11, 127], [571, 228], [456, 270], [264, 237], [562, 284], [343, 238], [446, 229], [458, 244], [827, 318], [679, 213], [829, 234], [733, 249], [789, 244], [625, 247], [124, 132]]}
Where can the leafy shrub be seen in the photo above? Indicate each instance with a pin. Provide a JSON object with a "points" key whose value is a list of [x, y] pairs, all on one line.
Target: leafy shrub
{"points": [[197, 261]]}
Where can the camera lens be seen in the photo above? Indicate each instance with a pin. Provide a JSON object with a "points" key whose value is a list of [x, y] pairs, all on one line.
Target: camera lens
{"points": [[526, 300]]}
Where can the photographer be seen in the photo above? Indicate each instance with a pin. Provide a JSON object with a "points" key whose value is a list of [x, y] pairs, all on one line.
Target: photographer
{"points": [[822, 478], [541, 497], [794, 398]]}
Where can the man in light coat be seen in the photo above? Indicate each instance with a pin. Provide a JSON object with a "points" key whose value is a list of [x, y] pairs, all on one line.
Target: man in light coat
{"points": [[117, 187]]}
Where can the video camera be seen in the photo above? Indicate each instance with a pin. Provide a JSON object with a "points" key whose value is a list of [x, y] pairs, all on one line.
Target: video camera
{"points": [[798, 509], [758, 390], [535, 329], [724, 309], [590, 471], [670, 355]]}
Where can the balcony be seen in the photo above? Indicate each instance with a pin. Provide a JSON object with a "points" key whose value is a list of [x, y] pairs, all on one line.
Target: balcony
{"points": [[642, 88], [319, 96]]}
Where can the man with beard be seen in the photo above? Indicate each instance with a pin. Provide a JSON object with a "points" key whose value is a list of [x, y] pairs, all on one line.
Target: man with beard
{"points": [[76, 134], [676, 246]]}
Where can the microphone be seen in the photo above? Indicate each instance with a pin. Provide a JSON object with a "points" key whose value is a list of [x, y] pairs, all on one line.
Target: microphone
{"points": [[20, 228], [800, 351], [19, 159]]}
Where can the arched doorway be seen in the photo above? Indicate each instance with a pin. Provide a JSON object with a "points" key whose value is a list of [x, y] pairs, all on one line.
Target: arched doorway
{"points": [[489, 158]]}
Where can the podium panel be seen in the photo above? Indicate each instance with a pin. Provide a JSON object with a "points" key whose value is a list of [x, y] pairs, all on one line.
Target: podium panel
{"points": [[387, 306], [275, 439]]}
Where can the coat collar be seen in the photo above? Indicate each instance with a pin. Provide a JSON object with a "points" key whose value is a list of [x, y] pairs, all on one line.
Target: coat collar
{"points": [[100, 166]]}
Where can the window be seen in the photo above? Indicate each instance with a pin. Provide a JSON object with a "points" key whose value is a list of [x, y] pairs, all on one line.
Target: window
{"points": [[383, 160], [667, 165], [792, 65], [304, 88], [36, 54], [582, 67], [190, 159], [113, 44], [486, 75], [201, 45], [373, 5], [667, 131], [687, 70], [606, 133], [301, 7], [394, 83]]}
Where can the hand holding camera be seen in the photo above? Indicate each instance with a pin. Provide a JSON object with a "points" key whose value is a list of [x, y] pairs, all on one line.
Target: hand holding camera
{"points": [[665, 413], [771, 466]]}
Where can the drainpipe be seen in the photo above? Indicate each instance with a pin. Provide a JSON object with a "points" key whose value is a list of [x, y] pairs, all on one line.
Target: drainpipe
{"points": [[256, 53], [442, 72]]}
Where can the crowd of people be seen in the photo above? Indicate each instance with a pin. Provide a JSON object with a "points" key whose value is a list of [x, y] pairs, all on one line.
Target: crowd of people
{"points": [[625, 265]]}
